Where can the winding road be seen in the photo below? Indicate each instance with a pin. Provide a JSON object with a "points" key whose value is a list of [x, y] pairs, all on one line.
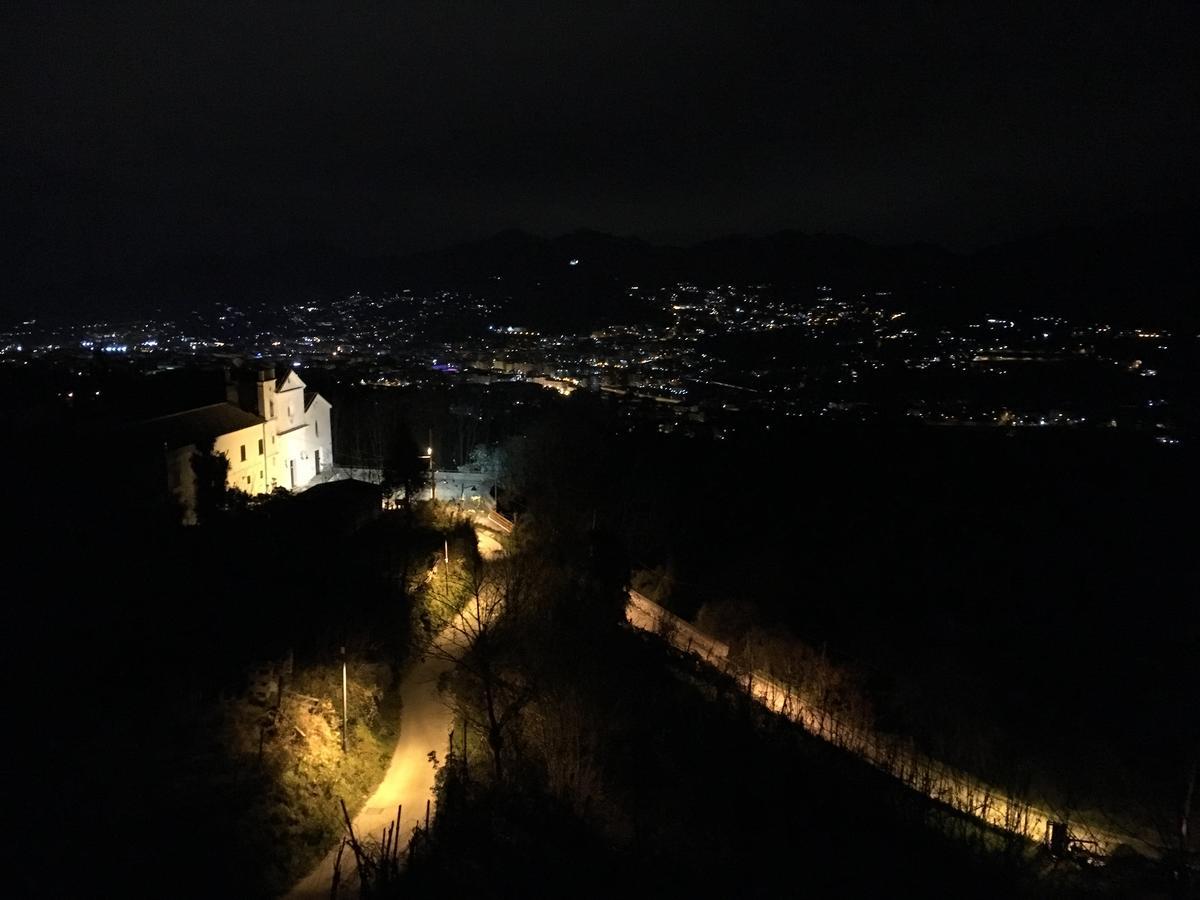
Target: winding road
{"points": [[425, 723]]}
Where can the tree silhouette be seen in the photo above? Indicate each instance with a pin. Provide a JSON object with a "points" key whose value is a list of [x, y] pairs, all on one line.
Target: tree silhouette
{"points": [[210, 471], [403, 468], [479, 639]]}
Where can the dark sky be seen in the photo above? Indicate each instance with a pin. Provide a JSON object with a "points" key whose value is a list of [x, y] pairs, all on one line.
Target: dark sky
{"points": [[137, 131]]}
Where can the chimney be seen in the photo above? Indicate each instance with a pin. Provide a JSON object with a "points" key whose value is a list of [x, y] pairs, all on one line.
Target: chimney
{"points": [[231, 387]]}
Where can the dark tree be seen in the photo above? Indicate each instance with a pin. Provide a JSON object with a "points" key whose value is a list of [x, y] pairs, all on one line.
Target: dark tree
{"points": [[212, 492], [404, 469]]}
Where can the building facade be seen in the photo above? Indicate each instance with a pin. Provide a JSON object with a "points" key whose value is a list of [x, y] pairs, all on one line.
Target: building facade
{"points": [[297, 438], [274, 432]]}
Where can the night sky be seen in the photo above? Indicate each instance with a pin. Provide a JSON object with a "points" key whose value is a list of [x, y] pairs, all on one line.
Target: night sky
{"points": [[159, 129]]}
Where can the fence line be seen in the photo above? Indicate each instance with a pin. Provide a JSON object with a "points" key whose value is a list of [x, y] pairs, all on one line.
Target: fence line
{"points": [[503, 523], [888, 753]]}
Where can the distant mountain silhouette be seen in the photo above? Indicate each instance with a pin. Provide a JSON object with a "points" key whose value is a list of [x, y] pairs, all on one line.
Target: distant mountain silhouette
{"points": [[1136, 269], [784, 258], [1131, 270], [582, 278]]}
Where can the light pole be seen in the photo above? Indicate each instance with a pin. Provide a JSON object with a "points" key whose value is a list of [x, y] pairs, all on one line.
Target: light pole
{"points": [[428, 454], [345, 718]]}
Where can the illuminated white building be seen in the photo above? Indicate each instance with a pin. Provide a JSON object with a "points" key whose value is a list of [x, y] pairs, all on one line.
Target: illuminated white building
{"points": [[273, 431]]}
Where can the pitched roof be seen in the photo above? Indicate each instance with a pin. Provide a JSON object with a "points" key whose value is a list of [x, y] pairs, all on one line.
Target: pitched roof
{"points": [[310, 396], [282, 379], [198, 425]]}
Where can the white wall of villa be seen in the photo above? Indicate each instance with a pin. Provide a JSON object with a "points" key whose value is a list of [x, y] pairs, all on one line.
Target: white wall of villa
{"points": [[279, 436]]}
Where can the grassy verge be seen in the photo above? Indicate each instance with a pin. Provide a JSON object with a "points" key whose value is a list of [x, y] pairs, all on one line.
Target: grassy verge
{"points": [[290, 770]]}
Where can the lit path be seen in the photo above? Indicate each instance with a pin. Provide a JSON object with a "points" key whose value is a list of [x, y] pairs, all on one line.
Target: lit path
{"points": [[489, 547], [888, 753], [425, 723], [424, 726]]}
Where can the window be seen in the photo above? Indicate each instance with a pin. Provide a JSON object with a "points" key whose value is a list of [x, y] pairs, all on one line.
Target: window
{"points": [[260, 447], [317, 423], [272, 409], [243, 452]]}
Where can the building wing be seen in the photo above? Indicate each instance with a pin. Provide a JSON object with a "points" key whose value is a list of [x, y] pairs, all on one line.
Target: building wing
{"points": [[200, 425]]}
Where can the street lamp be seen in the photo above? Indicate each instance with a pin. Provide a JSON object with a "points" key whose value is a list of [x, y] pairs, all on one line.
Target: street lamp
{"points": [[345, 717], [432, 477]]}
